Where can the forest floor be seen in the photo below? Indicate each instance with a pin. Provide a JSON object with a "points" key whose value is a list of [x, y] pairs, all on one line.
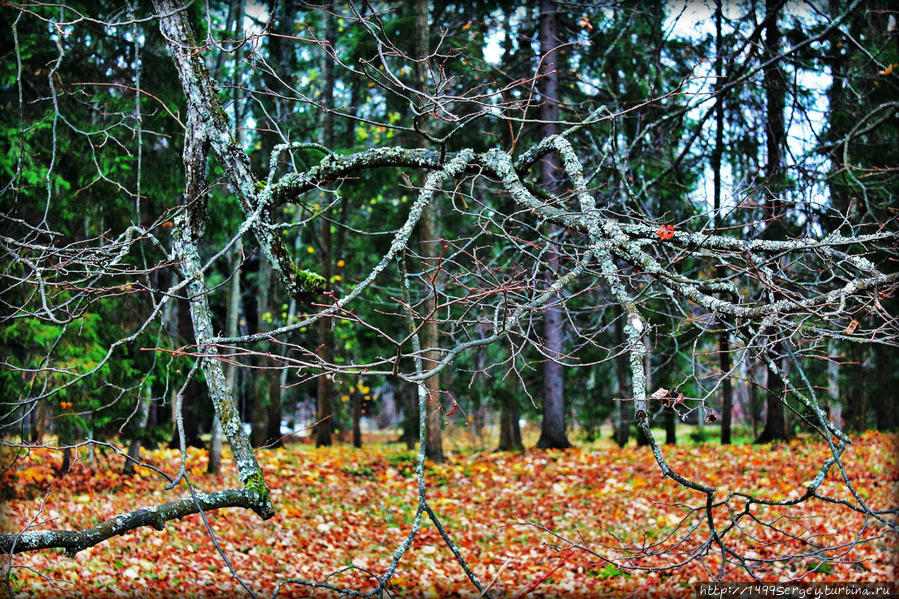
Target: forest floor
{"points": [[342, 511]]}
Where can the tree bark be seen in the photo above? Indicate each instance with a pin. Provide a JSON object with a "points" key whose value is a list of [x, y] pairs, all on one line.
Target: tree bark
{"points": [[431, 251], [189, 399], [670, 427], [775, 228], [724, 362], [357, 419], [324, 384], [215, 445], [408, 401], [642, 439], [206, 122], [552, 426], [755, 402], [235, 18], [882, 395], [266, 394], [775, 420], [509, 430], [65, 441], [274, 413], [623, 425], [727, 393], [855, 399], [134, 446], [213, 129], [74, 541]]}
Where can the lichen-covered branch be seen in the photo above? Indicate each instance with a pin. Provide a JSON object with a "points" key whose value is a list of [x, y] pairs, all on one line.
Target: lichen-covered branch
{"points": [[205, 121], [211, 127], [156, 516], [184, 248]]}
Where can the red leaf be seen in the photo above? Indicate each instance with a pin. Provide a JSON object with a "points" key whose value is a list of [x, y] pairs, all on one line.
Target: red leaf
{"points": [[665, 232]]}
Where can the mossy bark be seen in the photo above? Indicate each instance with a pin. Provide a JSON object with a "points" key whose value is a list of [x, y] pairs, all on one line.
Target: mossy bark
{"points": [[207, 127]]}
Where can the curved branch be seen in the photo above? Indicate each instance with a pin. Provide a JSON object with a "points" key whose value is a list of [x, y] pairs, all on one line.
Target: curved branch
{"points": [[74, 541]]}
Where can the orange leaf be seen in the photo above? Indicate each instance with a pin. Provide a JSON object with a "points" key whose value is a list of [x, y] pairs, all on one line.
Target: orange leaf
{"points": [[665, 232]]}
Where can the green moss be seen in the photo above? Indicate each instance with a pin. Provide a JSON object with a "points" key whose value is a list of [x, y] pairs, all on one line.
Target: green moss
{"points": [[309, 282], [256, 484]]}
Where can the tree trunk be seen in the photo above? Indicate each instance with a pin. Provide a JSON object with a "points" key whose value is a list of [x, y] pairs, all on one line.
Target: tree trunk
{"points": [[755, 402], [509, 430], [431, 251], [258, 427], [214, 465], [235, 18], [883, 391], [215, 445], [642, 439], [623, 425], [43, 416], [775, 127], [189, 397], [775, 141], [324, 384], [670, 427], [190, 223], [263, 380], [727, 396], [839, 122], [357, 419], [855, 399], [134, 446], [273, 413], [408, 401], [431, 339], [267, 412], [65, 440], [66, 464], [189, 419], [552, 427], [775, 421], [479, 426]]}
